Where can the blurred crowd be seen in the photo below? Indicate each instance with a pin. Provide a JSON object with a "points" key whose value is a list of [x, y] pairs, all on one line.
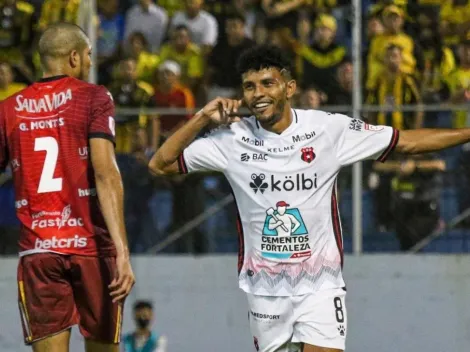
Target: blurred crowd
{"points": [[181, 53]]}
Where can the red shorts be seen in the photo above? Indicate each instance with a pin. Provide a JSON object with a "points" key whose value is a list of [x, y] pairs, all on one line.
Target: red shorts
{"points": [[57, 291]]}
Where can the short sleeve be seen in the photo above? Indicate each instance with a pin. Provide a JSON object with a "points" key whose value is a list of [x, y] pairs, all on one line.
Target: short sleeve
{"points": [[207, 154], [355, 140], [3, 143], [102, 124]]}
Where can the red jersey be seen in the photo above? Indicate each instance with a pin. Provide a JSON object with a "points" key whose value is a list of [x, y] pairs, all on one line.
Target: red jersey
{"points": [[44, 132], [179, 97]]}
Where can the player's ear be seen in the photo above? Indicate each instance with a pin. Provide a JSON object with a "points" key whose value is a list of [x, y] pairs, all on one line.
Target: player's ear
{"points": [[74, 59], [291, 87]]}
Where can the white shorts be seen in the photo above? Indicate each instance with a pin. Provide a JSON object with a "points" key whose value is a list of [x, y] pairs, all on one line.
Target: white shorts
{"points": [[281, 324]]}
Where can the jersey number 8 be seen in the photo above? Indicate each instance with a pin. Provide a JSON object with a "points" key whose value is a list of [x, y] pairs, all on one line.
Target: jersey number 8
{"points": [[48, 183]]}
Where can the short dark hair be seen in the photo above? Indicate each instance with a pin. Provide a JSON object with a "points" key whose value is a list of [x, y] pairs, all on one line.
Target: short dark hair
{"points": [[142, 304], [260, 57]]}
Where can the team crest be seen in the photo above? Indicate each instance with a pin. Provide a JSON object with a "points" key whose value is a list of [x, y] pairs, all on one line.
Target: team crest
{"points": [[307, 154]]}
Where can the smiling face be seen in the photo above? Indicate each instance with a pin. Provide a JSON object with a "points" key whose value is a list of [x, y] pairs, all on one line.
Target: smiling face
{"points": [[266, 93]]}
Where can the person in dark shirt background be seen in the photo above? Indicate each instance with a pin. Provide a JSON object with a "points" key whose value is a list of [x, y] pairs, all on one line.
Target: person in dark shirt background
{"points": [[222, 78]]}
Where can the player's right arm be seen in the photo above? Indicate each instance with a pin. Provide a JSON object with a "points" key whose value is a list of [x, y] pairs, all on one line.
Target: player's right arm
{"points": [[165, 160], [109, 187]]}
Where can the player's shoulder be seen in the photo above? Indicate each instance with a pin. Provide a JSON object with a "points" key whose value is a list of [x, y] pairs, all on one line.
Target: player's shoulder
{"points": [[97, 92], [320, 117]]}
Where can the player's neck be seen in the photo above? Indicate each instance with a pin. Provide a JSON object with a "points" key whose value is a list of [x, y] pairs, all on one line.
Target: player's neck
{"points": [[283, 123], [54, 73]]}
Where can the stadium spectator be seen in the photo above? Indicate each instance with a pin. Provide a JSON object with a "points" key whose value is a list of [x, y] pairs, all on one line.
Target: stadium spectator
{"points": [[149, 19], [187, 54], [201, 24], [221, 77], [16, 30], [281, 16], [311, 98], [416, 185], [53, 11], [318, 64], [128, 92], [188, 198], [457, 84], [221, 10], [110, 37], [147, 62], [170, 93], [143, 339], [455, 20], [171, 6], [7, 84], [342, 95], [395, 88], [393, 20]]}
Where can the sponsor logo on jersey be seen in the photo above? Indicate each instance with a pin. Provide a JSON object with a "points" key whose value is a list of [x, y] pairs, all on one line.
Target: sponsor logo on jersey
{"points": [[307, 154], [56, 243], [83, 152], [303, 137], [42, 124], [251, 141], [45, 213], [87, 192], [356, 125], [373, 128], [47, 103], [265, 316], [297, 182], [65, 219], [285, 234], [21, 203], [281, 149], [342, 330], [254, 157]]}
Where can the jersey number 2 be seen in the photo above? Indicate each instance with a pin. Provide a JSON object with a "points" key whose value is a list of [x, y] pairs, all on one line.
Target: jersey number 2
{"points": [[48, 183]]}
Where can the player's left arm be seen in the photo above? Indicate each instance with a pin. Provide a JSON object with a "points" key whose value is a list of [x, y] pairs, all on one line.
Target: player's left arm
{"points": [[427, 140]]}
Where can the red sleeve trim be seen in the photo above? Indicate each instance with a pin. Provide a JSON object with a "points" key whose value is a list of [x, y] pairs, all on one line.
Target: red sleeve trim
{"points": [[393, 143], [182, 164]]}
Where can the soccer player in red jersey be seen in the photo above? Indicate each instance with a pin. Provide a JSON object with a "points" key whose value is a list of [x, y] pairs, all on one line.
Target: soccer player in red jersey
{"points": [[58, 136]]}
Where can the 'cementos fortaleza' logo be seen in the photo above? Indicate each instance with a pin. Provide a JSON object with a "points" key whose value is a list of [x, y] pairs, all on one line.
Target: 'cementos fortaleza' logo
{"points": [[298, 182]]}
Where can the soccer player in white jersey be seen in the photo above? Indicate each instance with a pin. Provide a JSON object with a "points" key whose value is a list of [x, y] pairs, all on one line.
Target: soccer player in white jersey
{"points": [[282, 164]]}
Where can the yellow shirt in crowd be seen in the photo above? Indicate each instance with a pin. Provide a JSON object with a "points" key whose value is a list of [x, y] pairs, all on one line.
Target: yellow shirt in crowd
{"points": [[459, 79], [378, 48], [53, 11], [191, 61], [13, 88]]}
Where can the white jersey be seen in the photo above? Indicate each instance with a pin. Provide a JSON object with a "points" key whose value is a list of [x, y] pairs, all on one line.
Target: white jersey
{"points": [[290, 240]]}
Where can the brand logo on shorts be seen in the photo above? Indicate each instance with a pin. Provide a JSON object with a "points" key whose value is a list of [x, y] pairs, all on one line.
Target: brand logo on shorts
{"points": [[265, 316], [54, 242], [342, 330]]}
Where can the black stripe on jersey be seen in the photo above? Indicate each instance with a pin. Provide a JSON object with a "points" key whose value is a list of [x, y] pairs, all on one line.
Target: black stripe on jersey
{"points": [[296, 118], [182, 164], [102, 135], [336, 223], [241, 237], [391, 146]]}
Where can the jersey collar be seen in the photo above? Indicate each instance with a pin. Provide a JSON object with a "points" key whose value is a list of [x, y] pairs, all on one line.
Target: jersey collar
{"points": [[265, 133], [52, 78]]}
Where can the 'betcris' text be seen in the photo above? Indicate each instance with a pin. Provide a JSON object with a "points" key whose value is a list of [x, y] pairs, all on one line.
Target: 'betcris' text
{"points": [[47, 103]]}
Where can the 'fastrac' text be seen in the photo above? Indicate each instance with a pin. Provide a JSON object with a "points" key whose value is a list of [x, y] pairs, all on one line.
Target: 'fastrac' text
{"points": [[45, 104]]}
